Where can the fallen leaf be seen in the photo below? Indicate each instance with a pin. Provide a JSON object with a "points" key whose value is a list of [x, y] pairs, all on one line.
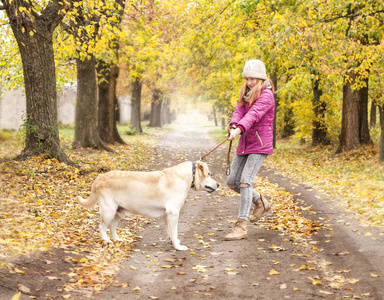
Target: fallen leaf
{"points": [[19, 271], [232, 273], [23, 289], [353, 280], [274, 272], [315, 281], [341, 253], [17, 296], [326, 293], [283, 286], [374, 275]]}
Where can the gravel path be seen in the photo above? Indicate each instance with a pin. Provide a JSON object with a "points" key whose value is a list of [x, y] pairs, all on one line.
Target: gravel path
{"points": [[213, 268]]}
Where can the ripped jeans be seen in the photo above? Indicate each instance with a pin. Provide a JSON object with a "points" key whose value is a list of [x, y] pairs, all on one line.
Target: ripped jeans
{"points": [[243, 170]]}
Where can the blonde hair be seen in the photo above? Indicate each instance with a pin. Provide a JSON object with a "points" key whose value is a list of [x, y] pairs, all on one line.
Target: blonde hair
{"points": [[254, 93]]}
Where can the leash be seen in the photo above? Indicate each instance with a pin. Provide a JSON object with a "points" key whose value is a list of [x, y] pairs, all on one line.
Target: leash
{"points": [[228, 155]]}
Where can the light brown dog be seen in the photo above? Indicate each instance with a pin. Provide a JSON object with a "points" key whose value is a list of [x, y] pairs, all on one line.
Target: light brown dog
{"points": [[150, 194]]}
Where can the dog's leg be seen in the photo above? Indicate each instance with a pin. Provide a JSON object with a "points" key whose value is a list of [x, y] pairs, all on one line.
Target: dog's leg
{"points": [[172, 219], [166, 227], [107, 213], [113, 227]]}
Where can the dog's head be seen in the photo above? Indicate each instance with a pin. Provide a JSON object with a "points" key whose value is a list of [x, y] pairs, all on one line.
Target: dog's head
{"points": [[203, 179]]}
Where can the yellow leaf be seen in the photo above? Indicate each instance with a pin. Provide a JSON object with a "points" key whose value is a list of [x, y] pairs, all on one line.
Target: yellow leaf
{"points": [[133, 268], [19, 271], [274, 272], [326, 293], [166, 266], [375, 275], [314, 281], [17, 296], [353, 281]]}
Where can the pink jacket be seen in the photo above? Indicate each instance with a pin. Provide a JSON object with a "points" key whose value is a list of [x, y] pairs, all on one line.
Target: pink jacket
{"points": [[256, 124]]}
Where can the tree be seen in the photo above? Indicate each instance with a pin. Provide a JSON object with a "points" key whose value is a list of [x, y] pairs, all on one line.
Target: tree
{"points": [[85, 26], [136, 105], [108, 73], [86, 134], [107, 111], [156, 108], [33, 28]]}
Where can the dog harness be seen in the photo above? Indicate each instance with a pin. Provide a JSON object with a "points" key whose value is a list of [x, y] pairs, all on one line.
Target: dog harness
{"points": [[193, 174]]}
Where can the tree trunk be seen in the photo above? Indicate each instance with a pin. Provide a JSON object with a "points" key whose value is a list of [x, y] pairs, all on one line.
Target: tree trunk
{"points": [[108, 103], [165, 112], [350, 116], [34, 39], [319, 131], [354, 126], [214, 115], [223, 119], [373, 120], [364, 134], [86, 134], [289, 123], [155, 117], [136, 105], [381, 112]]}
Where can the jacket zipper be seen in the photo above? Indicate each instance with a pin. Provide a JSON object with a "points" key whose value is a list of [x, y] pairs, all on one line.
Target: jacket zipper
{"points": [[261, 141]]}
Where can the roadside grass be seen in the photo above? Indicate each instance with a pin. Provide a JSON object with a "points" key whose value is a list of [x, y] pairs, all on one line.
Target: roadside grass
{"points": [[355, 179], [38, 211]]}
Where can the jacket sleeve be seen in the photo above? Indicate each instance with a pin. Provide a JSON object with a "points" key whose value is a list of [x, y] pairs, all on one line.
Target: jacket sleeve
{"points": [[263, 104], [237, 115]]}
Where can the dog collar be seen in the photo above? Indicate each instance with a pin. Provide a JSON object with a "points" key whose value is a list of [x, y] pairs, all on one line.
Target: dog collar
{"points": [[193, 174]]}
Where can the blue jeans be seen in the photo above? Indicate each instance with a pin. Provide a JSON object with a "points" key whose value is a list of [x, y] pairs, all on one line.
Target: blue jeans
{"points": [[243, 170]]}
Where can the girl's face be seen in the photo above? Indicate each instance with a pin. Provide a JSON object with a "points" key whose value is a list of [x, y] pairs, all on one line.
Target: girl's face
{"points": [[251, 82]]}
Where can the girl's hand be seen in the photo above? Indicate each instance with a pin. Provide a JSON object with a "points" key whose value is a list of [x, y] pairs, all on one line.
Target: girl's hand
{"points": [[233, 134]]}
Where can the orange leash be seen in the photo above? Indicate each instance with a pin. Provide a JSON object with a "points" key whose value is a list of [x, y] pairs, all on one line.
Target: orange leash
{"points": [[210, 151], [228, 155]]}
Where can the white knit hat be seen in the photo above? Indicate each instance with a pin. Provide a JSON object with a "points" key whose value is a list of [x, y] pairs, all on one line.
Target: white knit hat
{"points": [[254, 68]]}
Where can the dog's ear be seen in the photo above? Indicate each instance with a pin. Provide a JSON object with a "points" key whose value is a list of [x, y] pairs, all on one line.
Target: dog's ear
{"points": [[203, 168]]}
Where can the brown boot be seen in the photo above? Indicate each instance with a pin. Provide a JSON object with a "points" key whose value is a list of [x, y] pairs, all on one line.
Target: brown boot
{"points": [[238, 232], [261, 206]]}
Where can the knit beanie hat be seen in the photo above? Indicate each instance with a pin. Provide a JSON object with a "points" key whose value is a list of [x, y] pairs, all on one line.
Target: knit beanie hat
{"points": [[254, 69]]}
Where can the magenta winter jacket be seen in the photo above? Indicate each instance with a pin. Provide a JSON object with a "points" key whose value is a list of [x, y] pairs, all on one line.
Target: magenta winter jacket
{"points": [[256, 124]]}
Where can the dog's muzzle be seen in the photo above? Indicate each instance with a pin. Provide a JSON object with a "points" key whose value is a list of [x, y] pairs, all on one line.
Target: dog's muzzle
{"points": [[211, 189]]}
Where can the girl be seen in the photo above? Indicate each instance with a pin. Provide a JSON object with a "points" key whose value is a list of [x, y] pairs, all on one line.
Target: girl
{"points": [[253, 119]]}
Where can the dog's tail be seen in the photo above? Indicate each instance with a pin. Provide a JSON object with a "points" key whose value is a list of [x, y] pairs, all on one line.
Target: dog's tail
{"points": [[87, 203]]}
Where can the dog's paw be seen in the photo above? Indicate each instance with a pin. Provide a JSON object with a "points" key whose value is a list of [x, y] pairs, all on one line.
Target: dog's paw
{"points": [[181, 247]]}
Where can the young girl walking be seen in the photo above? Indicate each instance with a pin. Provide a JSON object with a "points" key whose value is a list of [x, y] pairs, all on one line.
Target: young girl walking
{"points": [[253, 121]]}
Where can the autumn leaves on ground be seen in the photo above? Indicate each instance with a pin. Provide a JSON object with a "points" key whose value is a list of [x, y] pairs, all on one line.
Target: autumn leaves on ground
{"points": [[40, 221]]}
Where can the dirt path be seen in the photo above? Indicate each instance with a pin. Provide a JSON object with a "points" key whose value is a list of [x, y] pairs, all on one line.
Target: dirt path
{"points": [[342, 260], [349, 257]]}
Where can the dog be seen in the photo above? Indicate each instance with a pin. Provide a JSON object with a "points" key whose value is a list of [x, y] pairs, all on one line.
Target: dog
{"points": [[150, 194]]}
